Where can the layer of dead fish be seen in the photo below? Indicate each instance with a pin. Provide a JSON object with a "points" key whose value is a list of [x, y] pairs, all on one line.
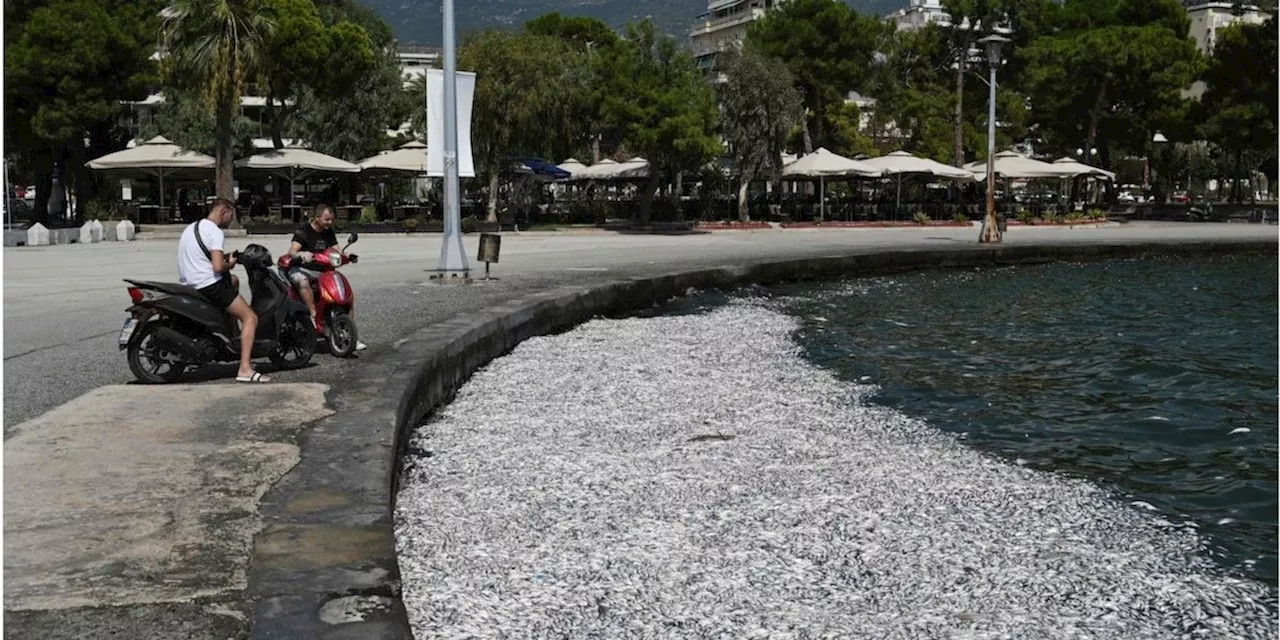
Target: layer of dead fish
{"points": [[694, 477]]}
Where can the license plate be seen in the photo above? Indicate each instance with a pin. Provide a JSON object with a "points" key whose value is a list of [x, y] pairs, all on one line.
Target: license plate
{"points": [[129, 325]]}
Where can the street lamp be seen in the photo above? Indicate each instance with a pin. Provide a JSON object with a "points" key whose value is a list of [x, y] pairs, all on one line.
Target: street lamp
{"points": [[1152, 174], [990, 226], [453, 259]]}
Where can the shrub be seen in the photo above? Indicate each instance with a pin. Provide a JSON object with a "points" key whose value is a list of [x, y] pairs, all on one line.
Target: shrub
{"points": [[1075, 216], [410, 225], [961, 218], [1097, 214], [921, 218], [368, 214], [1051, 218], [96, 210], [1024, 216], [470, 224]]}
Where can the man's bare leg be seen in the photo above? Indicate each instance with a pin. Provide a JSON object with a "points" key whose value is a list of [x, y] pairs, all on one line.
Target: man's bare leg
{"points": [[308, 298], [248, 327]]}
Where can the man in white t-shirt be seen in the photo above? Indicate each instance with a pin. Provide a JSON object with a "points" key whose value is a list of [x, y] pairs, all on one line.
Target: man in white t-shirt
{"points": [[204, 265]]}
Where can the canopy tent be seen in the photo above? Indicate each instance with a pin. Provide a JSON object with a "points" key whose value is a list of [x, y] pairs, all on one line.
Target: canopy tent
{"points": [[572, 166], [156, 157], [1071, 168], [822, 164], [598, 171], [1011, 164], [900, 163], [541, 169], [636, 167], [294, 163], [410, 157]]}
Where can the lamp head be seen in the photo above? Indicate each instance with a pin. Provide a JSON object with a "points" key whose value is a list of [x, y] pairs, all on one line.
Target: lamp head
{"points": [[993, 43]]}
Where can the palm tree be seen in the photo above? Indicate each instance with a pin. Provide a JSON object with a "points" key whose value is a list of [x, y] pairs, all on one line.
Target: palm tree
{"points": [[215, 45]]}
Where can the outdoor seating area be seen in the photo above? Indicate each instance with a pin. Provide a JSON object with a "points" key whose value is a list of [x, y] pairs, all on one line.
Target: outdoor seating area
{"points": [[281, 185]]}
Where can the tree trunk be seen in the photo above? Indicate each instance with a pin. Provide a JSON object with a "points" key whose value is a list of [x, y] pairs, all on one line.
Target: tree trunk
{"points": [[679, 196], [808, 140], [276, 118], [961, 63], [744, 214], [644, 213], [42, 165], [1095, 119], [493, 198], [595, 149], [224, 165]]}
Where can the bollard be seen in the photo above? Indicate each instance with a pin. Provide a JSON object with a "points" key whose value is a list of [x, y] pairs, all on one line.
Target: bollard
{"points": [[38, 236], [124, 231], [98, 231]]}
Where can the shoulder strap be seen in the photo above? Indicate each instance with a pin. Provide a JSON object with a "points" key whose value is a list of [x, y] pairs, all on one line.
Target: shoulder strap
{"points": [[200, 241]]}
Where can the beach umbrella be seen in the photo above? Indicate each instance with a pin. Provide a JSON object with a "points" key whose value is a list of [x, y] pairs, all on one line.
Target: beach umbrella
{"points": [[156, 157], [410, 157], [822, 164], [900, 163], [296, 163]]}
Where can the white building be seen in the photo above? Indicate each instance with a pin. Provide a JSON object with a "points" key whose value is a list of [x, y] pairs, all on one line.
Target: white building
{"points": [[919, 13], [724, 25], [1207, 18]]}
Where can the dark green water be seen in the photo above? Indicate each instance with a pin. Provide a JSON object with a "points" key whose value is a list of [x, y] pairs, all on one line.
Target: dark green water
{"points": [[1156, 377]]}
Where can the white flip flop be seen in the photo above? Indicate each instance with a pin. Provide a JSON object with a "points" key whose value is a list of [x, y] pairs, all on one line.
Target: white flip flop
{"points": [[256, 377]]}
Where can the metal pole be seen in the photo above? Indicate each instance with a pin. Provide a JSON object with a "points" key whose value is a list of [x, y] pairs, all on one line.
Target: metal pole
{"points": [[990, 226], [453, 258]]}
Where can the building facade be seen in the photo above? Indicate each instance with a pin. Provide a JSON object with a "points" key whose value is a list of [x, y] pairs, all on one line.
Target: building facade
{"points": [[1207, 18], [724, 25]]}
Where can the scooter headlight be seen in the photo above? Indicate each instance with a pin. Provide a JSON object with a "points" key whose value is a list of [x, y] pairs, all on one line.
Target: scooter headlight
{"points": [[335, 258]]}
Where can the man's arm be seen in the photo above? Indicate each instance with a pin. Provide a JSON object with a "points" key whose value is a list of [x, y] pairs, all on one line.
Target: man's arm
{"points": [[222, 263]]}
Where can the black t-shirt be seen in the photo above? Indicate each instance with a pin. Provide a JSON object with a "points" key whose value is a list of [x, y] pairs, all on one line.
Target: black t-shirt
{"points": [[314, 241]]}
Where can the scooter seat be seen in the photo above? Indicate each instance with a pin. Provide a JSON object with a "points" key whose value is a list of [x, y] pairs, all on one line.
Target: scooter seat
{"points": [[171, 288]]}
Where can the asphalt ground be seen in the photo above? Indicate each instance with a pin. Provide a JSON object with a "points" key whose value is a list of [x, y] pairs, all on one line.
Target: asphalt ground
{"points": [[64, 305]]}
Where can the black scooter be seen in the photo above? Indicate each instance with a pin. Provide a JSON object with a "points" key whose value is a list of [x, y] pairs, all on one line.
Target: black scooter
{"points": [[172, 327]]}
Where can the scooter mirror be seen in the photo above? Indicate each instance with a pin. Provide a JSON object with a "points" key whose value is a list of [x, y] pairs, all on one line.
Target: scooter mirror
{"points": [[351, 239]]}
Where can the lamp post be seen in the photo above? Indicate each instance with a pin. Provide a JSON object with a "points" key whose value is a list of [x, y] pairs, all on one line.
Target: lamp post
{"points": [[990, 226], [453, 259]]}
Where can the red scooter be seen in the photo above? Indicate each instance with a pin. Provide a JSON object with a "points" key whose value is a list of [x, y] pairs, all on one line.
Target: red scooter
{"points": [[333, 295]]}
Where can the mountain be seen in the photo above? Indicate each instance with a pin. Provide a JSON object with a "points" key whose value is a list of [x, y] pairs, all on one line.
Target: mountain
{"points": [[420, 22]]}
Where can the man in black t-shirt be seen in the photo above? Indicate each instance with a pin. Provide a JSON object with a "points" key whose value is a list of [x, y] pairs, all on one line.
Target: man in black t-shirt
{"points": [[312, 238]]}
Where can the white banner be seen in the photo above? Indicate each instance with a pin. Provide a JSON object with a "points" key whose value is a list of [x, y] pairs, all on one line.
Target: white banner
{"points": [[435, 123]]}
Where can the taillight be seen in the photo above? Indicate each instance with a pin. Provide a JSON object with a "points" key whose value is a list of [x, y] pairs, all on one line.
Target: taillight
{"points": [[140, 296]]}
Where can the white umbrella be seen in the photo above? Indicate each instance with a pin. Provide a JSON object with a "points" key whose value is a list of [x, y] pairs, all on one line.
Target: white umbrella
{"points": [[1071, 168], [1010, 164], [636, 167], [411, 157], [573, 167], [158, 157], [598, 171], [900, 163], [822, 164], [295, 163]]}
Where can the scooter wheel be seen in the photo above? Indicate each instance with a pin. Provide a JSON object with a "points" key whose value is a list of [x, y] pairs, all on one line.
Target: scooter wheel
{"points": [[342, 336], [148, 361], [297, 343]]}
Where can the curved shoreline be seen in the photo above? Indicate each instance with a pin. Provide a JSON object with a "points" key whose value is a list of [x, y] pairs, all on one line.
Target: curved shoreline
{"points": [[327, 553]]}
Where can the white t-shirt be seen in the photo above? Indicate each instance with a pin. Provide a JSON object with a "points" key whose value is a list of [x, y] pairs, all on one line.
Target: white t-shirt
{"points": [[194, 269]]}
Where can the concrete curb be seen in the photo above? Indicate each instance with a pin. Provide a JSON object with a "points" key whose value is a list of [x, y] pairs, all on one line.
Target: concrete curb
{"points": [[325, 564]]}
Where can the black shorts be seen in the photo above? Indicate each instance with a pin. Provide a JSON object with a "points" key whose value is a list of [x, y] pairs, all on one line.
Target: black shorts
{"points": [[221, 293]]}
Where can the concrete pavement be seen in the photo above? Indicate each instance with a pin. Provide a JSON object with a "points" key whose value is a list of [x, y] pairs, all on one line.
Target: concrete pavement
{"points": [[63, 305], [68, 461]]}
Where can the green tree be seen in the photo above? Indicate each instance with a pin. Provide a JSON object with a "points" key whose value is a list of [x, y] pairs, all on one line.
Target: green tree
{"points": [[352, 124], [184, 118], [915, 90], [217, 45], [596, 43], [1239, 102], [759, 107], [1111, 84], [666, 111], [829, 48], [65, 82], [523, 83]]}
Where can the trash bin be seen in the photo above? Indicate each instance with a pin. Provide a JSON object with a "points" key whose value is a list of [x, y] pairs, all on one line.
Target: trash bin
{"points": [[1002, 222]]}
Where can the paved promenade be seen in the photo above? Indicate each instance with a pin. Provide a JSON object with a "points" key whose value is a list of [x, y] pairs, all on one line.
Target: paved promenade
{"points": [[134, 509]]}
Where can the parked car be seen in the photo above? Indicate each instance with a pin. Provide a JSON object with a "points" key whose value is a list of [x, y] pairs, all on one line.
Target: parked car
{"points": [[1181, 197]]}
